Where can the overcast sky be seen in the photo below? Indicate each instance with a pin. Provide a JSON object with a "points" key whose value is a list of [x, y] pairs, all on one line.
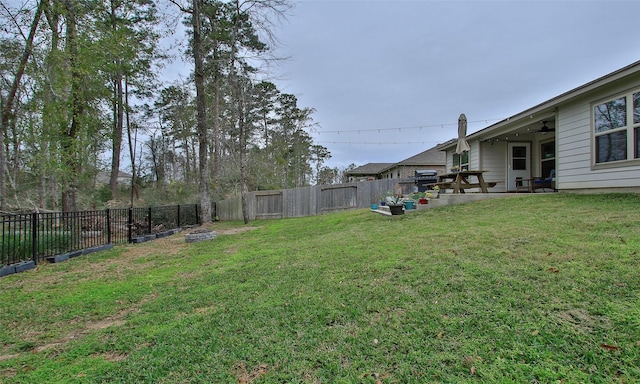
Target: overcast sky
{"points": [[376, 65]]}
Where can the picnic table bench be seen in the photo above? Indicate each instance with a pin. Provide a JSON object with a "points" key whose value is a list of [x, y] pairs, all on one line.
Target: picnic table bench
{"points": [[459, 181]]}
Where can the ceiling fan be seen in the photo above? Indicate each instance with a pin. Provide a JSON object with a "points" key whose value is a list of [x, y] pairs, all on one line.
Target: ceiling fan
{"points": [[546, 129]]}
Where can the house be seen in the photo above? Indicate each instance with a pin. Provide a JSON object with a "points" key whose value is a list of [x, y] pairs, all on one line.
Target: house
{"points": [[432, 158], [368, 172], [589, 137], [104, 178]]}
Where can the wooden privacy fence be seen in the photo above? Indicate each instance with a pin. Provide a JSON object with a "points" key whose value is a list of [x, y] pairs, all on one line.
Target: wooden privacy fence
{"points": [[310, 201]]}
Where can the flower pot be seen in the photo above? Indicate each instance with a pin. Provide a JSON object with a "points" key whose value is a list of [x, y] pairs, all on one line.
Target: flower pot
{"points": [[396, 209], [409, 204], [374, 206], [423, 201]]}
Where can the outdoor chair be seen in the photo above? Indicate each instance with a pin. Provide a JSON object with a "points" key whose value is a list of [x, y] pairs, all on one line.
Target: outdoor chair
{"points": [[522, 185], [548, 182]]}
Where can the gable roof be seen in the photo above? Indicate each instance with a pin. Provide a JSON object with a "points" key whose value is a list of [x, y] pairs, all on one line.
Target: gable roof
{"points": [[370, 169], [432, 156], [550, 105]]}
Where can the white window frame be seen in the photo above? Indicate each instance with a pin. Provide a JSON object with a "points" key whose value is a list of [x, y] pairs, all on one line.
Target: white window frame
{"points": [[633, 153], [461, 165]]}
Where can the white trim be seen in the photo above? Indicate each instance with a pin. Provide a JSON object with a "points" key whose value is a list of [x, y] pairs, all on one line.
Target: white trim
{"points": [[628, 128]]}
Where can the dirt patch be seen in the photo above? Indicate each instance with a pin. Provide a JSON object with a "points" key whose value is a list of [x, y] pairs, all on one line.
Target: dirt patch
{"points": [[231, 251], [83, 328], [246, 376], [7, 357], [222, 231], [80, 333], [9, 372], [583, 321], [104, 324], [235, 231]]}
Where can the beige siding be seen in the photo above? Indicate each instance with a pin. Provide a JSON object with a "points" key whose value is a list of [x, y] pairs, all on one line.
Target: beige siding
{"points": [[493, 161], [575, 153], [474, 155]]}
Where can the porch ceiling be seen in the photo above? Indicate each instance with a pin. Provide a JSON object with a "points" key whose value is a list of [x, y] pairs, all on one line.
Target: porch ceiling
{"points": [[526, 132]]}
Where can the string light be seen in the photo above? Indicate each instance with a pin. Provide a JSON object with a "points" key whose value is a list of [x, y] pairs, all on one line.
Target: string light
{"points": [[378, 142], [399, 129]]}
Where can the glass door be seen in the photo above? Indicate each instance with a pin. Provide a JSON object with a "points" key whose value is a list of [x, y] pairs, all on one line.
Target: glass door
{"points": [[518, 165]]}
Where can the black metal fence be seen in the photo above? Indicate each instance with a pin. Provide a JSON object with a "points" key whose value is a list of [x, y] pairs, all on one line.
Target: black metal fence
{"points": [[36, 236]]}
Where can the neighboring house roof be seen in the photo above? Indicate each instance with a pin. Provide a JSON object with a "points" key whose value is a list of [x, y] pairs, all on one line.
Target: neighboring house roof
{"points": [[370, 169], [432, 156], [552, 103], [105, 178]]}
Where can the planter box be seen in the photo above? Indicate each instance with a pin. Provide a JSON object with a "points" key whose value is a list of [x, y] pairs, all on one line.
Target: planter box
{"points": [[97, 249], [24, 266], [150, 237], [138, 240], [7, 270], [164, 234], [75, 254], [58, 258]]}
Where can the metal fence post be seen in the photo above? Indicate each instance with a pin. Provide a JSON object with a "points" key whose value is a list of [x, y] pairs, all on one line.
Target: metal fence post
{"points": [[130, 226], [197, 215], [108, 214], [178, 221], [34, 237], [149, 221]]}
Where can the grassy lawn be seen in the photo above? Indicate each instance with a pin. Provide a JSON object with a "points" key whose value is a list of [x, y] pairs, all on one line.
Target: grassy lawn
{"points": [[538, 288]]}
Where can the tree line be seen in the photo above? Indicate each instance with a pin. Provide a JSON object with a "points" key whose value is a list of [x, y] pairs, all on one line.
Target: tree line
{"points": [[81, 91]]}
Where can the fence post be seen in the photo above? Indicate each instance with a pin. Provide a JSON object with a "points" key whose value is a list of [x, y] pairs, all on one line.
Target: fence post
{"points": [[108, 213], [149, 221], [130, 226], [34, 237], [197, 215], [178, 221]]}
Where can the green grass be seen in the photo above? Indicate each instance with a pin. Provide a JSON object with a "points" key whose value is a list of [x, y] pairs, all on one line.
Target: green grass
{"points": [[538, 288]]}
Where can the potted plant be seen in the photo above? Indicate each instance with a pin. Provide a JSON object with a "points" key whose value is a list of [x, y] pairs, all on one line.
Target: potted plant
{"points": [[383, 199], [409, 204], [423, 197], [395, 204], [419, 197], [436, 189]]}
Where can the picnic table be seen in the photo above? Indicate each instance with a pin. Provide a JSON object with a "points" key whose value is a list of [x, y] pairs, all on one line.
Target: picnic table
{"points": [[459, 181]]}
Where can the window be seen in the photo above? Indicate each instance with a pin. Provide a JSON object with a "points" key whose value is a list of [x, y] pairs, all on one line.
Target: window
{"points": [[519, 158], [614, 131], [461, 161], [548, 158]]}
